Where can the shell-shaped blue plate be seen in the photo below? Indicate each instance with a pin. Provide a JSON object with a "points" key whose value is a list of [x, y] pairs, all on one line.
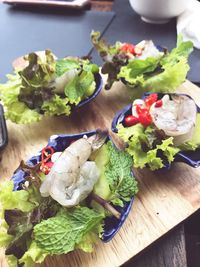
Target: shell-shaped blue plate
{"points": [[99, 86], [59, 143], [191, 158]]}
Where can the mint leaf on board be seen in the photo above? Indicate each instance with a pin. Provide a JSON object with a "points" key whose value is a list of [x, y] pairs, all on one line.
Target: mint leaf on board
{"points": [[123, 185], [62, 233]]}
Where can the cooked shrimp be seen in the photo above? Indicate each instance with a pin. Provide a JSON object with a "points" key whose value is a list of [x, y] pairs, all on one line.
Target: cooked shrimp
{"points": [[176, 117], [72, 178]]}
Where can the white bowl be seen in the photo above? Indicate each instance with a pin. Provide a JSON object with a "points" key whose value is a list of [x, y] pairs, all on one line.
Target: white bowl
{"points": [[159, 11]]}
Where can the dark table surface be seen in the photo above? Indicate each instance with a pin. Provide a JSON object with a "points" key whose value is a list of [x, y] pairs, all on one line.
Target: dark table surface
{"points": [[128, 27], [24, 30]]}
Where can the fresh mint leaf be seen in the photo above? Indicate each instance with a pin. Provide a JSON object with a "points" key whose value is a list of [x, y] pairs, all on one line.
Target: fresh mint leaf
{"points": [[76, 89], [123, 185], [62, 233], [66, 64]]}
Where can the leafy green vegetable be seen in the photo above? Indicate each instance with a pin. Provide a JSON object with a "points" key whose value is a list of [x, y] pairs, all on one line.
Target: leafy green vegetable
{"points": [[64, 65], [145, 147], [16, 111], [75, 90], [62, 233], [56, 105], [139, 67], [10, 199], [116, 183], [162, 73], [33, 227], [33, 255], [36, 78], [102, 47], [168, 80], [122, 184], [45, 87], [113, 57]]}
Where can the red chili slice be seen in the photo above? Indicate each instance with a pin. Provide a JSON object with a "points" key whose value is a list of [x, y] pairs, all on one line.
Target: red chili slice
{"points": [[131, 120], [140, 109], [158, 104], [145, 119], [149, 100], [128, 48]]}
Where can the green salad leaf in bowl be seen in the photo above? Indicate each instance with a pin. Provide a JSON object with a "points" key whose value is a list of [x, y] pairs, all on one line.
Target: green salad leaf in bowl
{"points": [[160, 129], [76, 191], [144, 67], [45, 86]]}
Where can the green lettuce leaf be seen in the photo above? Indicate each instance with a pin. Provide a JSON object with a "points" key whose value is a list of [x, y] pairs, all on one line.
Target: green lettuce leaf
{"points": [[160, 74], [103, 48], [12, 261], [62, 233], [36, 79], [56, 106], [10, 199], [182, 50], [16, 111], [134, 71], [169, 79], [30, 93], [112, 56], [144, 149], [33, 255]]}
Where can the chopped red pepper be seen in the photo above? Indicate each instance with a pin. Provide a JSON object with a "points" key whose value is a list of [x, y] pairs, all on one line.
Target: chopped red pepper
{"points": [[46, 167], [128, 48], [131, 120], [158, 104], [149, 100], [140, 109], [145, 119]]}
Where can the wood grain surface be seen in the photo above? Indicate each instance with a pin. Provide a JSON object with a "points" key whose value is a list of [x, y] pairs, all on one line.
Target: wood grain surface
{"points": [[165, 199]]}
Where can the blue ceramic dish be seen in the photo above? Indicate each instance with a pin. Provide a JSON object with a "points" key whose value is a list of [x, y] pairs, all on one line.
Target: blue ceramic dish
{"points": [[59, 143], [99, 85], [191, 158]]}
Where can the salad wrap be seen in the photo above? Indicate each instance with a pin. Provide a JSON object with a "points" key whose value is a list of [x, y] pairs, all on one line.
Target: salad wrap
{"points": [[34, 223], [159, 129], [144, 66], [45, 86]]}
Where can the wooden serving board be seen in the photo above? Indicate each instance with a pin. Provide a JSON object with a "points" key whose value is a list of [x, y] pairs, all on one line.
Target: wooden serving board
{"points": [[165, 198]]}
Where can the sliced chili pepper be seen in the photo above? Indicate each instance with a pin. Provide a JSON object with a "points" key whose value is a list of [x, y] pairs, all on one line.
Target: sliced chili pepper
{"points": [[131, 120], [149, 100], [128, 48], [140, 109], [46, 165], [158, 104], [145, 119]]}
